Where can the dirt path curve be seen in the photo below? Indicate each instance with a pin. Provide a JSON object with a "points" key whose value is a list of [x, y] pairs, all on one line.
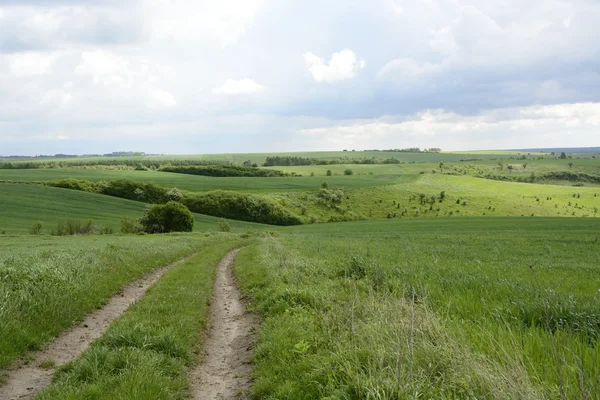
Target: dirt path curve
{"points": [[225, 370], [25, 381]]}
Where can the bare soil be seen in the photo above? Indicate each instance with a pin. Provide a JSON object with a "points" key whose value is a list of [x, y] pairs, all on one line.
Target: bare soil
{"points": [[27, 379], [226, 368]]}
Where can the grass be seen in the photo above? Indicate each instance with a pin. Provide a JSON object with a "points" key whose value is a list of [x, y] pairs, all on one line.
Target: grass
{"points": [[446, 308], [146, 353], [23, 206], [465, 196], [49, 282]]}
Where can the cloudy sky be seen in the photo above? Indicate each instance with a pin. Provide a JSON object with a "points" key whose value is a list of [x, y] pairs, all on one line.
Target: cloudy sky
{"points": [[202, 76]]}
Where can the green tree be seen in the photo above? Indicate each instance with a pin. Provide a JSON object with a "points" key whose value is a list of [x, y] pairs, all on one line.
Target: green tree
{"points": [[328, 173], [170, 217], [348, 171], [563, 156]]}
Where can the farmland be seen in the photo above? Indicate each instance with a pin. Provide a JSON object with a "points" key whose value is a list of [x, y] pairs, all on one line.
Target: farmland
{"points": [[452, 276]]}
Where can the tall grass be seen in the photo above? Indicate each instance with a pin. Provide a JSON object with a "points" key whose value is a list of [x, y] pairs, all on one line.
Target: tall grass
{"points": [[47, 282], [383, 315]]}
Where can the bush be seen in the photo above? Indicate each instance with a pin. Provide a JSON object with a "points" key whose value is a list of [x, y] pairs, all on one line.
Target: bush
{"points": [[224, 226], [74, 184], [241, 206], [328, 173], [130, 226], [36, 228], [170, 217], [224, 170], [132, 190], [348, 171], [71, 228]]}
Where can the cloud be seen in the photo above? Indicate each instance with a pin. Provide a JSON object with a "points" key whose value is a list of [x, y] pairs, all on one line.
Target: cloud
{"points": [[28, 64], [237, 87], [343, 65], [557, 125], [407, 68], [223, 21], [158, 98]]}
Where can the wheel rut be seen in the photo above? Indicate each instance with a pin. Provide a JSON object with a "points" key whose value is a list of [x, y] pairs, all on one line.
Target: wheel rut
{"points": [[26, 380], [225, 371]]}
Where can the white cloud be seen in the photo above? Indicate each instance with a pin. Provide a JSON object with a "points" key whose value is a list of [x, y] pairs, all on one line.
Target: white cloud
{"points": [[224, 21], [106, 68], [557, 125], [241, 86], [343, 65], [158, 98], [407, 68], [30, 63]]}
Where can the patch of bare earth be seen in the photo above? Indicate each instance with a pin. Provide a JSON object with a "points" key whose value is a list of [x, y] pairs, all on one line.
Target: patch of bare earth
{"points": [[226, 369], [26, 380]]}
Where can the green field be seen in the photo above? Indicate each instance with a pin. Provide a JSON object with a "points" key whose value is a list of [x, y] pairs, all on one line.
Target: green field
{"points": [[449, 279], [464, 308]]}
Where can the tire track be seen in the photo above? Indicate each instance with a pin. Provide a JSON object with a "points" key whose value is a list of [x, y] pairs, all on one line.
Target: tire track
{"points": [[26, 381], [226, 370]]}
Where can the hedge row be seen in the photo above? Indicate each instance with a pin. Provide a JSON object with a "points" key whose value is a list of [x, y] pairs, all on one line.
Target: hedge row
{"points": [[220, 203], [224, 171]]}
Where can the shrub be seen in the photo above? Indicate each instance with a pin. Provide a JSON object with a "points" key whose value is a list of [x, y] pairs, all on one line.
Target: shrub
{"points": [[224, 170], [330, 196], [224, 226], [328, 173], [241, 206], [169, 217], [132, 190], [71, 228], [130, 226], [348, 171], [36, 228], [174, 195], [74, 184]]}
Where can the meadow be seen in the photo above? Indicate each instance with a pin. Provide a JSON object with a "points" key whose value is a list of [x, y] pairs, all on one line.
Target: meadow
{"points": [[448, 278], [421, 309]]}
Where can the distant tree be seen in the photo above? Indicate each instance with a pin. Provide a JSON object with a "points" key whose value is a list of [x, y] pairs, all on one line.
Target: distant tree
{"points": [[324, 185], [501, 165], [571, 164], [348, 171], [328, 173], [563, 156], [441, 165], [509, 167], [524, 165], [442, 194], [170, 217]]}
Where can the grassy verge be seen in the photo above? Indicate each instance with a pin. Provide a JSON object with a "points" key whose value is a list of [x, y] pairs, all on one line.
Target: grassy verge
{"points": [[437, 313], [46, 282], [145, 354]]}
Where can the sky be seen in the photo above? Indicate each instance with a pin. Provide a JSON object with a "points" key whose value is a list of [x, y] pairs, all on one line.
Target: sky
{"points": [[225, 76]]}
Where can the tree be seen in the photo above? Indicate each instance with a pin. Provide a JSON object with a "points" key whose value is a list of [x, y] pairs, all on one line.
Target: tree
{"points": [[509, 167], [563, 156], [328, 173], [524, 165], [170, 217], [348, 171], [571, 164]]}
